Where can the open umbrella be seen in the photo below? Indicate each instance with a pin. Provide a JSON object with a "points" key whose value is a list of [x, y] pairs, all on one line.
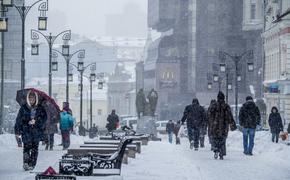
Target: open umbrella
{"points": [[50, 106]]}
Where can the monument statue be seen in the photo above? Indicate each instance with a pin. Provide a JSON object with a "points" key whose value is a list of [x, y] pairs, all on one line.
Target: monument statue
{"points": [[140, 103], [153, 99]]}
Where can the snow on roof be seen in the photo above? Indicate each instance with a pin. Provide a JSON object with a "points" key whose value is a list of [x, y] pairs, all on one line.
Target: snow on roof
{"points": [[120, 41]]}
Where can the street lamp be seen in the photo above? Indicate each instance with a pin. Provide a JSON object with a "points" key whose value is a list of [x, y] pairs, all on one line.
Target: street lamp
{"points": [[42, 23], [65, 50], [7, 3], [81, 68], [239, 78], [66, 36], [223, 67], [54, 65], [209, 86], [3, 24], [236, 59], [67, 58], [215, 78], [251, 66], [100, 85], [34, 49], [23, 12]]}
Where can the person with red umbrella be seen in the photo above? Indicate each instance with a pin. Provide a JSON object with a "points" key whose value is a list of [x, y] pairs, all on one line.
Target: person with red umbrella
{"points": [[30, 124]]}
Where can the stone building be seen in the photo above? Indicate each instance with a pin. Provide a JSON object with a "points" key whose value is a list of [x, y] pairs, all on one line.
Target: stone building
{"points": [[277, 54]]}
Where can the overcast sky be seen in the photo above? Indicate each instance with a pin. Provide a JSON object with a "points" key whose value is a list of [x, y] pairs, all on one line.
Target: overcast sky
{"points": [[85, 17]]}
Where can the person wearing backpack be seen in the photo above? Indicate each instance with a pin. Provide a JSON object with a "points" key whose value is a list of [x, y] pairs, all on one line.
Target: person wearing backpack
{"points": [[249, 118]]}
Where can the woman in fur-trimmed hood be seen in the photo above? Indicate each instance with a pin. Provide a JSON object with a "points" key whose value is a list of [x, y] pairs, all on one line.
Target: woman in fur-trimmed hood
{"points": [[29, 125]]}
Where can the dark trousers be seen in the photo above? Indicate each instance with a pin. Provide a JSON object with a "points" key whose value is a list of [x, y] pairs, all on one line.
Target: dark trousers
{"points": [[49, 140], [201, 140], [30, 153], [219, 145], [65, 134], [275, 137], [193, 135]]}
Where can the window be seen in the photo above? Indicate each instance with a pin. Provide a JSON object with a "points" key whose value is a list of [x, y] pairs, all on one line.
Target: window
{"points": [[99, 112], [253, 11]]}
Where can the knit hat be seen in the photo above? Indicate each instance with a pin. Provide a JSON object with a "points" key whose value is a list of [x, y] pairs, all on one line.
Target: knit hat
{"points": [[249, 98]]}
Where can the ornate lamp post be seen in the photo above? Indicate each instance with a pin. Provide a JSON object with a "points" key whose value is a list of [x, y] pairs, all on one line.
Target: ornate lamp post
{"points": [[42, 25], [67, 57], [81, 69], [66, 36], [236, 59]]}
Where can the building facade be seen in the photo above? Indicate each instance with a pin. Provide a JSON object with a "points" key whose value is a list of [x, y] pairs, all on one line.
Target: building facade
{"points": [[277, 57], [183, 60], [12, 54]]}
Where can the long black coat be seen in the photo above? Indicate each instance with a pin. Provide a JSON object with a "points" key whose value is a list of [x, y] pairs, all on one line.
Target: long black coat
{"points": [[112, 119], [275, 122], [30, 133], [249, 115], [195, 116]]}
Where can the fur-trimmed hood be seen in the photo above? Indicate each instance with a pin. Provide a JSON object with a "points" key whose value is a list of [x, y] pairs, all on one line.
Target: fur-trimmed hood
{"points": [[36, 98]]}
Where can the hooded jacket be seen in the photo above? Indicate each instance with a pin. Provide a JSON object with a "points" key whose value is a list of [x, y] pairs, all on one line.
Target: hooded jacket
{"points": [[30, 133], [249, 115], [275, 121], [194, 114], [220, 118]]}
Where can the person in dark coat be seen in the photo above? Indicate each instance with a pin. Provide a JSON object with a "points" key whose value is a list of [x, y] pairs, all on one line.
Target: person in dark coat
{"points": [[30, 123], [212, 102], [177, 127], [195, 115], [249, 118], [170, 130], [203, 130], [113, 121], [140, 103], [220, 118], [50, 130], [276, 124]]}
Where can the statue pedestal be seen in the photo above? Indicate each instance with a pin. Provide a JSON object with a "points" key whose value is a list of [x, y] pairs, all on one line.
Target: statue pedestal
{"points": [[146, 125]]}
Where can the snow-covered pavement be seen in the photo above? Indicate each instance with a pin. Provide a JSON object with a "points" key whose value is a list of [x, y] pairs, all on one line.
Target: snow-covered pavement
{"points": [[164, 161]]}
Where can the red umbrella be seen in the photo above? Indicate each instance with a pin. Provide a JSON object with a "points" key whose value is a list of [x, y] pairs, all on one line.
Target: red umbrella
{"points": [[50, 106]]}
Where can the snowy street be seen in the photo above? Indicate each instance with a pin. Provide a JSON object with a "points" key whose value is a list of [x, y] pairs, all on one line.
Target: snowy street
{"points": [[164, 161]]}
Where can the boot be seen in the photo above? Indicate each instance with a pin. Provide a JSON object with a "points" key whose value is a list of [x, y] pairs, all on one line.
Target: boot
{"points": [[51, 148]]}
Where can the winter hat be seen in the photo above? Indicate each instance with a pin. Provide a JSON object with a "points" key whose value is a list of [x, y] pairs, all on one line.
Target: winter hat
{"points": [[221, 96], [249, 98], [65, 106], [195, 101]]}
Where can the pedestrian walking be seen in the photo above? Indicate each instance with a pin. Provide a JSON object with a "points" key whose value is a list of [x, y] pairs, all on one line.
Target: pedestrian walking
{"points": [[203, 130], [93, 131], [194, 114], [113, 121], [275, 123], [50, 129], [66, 126], [212, 102], [170, 130], [220, 119], [30, 123], [249, 118]]}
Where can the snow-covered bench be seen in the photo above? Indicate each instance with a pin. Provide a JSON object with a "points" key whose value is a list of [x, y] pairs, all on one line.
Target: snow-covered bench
{"points": [[103, 164], [143, 139], [137, 144]]}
